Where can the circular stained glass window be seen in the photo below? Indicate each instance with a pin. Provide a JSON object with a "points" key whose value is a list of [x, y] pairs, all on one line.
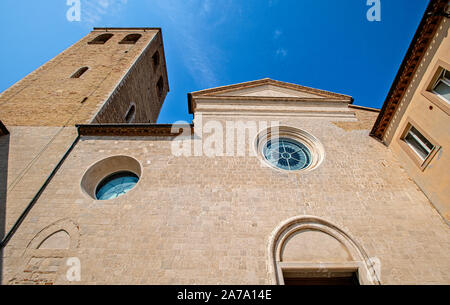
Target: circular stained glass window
{"points": [[116, 185], [287, 154]]}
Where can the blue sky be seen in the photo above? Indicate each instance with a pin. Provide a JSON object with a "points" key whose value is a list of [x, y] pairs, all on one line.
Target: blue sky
{"points": [[327, 44]]}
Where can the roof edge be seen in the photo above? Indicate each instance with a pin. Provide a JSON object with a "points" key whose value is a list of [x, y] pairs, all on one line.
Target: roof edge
{"points": [[132, 130], [265, 81], [126, 28], [434, 13], [364, 108]]}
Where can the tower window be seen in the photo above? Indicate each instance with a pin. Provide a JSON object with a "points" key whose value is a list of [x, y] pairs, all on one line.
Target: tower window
{"points": [[160, 86], [155, 58], [131, 39], [101, 39], [80, 72], [130, 114]]}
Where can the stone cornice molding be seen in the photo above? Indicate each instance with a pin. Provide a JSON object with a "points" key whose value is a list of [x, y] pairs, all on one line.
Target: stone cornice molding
{"points": [[132, 130], [220, 94]]}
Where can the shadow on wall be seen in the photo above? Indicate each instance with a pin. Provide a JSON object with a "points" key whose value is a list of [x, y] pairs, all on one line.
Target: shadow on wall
{"points": [[4, 153]]}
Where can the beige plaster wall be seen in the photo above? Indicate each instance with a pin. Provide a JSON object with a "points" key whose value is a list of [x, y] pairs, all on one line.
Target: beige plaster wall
{"points": [[434, 180]]}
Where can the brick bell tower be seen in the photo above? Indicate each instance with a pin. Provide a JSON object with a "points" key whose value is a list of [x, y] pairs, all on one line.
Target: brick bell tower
{"points": [[113, 75]]}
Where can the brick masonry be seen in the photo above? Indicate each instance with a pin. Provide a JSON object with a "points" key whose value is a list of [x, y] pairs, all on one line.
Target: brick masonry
{"points": [[200, 220]]}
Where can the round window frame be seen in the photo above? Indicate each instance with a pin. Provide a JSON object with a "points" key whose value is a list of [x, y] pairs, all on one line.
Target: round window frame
{"points": [[314, 146], [106, 167]]}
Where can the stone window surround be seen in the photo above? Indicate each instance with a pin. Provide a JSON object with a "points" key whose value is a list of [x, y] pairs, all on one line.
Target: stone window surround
{"points": [[422, 164], [314, 146], [79, 72], [103, 168], [97, 39], [131, 39]]}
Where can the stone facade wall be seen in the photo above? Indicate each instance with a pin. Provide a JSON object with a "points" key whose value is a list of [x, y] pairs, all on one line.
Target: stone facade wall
{"points": [[200, 220]]}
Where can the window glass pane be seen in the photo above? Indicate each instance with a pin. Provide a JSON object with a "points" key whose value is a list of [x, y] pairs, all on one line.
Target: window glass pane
{"points": [[422, 139], [443, 90], [415, 145], [447, 74], [287, 154], [418, 143], [116, 185]]}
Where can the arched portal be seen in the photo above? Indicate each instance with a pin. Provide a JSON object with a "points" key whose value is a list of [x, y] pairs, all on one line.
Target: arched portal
{"points": [[311, 250]]}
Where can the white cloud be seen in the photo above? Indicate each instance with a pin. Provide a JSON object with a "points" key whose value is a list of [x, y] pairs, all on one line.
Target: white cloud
{"points": [[282, 52], [192, 21], [92, 11], [277, 34]]}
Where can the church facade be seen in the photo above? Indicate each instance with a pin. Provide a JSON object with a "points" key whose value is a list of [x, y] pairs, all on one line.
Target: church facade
{"points": [[273, 183]]}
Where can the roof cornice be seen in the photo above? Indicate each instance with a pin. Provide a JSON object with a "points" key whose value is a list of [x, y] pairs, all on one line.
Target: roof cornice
{"points": [[433, 16], [131, 130]]}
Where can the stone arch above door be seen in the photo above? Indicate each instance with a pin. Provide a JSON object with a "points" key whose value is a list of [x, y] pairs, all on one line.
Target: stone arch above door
{"points": [[311, 244]]}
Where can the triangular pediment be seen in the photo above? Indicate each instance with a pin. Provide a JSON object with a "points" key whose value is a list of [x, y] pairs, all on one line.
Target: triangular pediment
{"points": [[266, 95], [269, 91], [268, 88]]}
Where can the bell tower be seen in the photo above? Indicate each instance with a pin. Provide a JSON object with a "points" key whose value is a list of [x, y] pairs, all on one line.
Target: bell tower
{"points": [[113, 75]]}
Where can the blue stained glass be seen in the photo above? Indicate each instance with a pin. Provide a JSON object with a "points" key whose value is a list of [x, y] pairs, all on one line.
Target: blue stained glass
{"points": [[287, 154], [116, 185]]}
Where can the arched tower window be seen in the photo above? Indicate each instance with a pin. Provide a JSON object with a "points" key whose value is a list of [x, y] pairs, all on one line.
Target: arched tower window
{"points": [[308, 250], [131, 113], [155, 59], [131, 39], [101, 39], [160, 86], [79, 72]]}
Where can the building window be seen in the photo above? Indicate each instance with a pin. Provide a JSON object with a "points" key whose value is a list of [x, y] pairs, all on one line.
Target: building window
{"points": [[116, 185], [418, 143], [287, 154], [289, 149], [131, 113], [131, 39], [111, 177], [160, 86], [80, 72], [101, 39], [155, 58], [442, 86]]}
